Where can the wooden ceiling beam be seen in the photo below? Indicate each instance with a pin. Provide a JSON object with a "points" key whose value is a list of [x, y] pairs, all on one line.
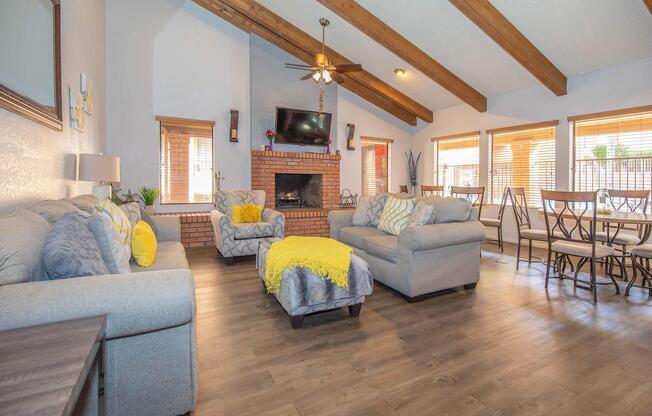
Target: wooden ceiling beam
{"points": [[508, 37], [648, 4], [227, 13], [393, 41], [296, 36]]}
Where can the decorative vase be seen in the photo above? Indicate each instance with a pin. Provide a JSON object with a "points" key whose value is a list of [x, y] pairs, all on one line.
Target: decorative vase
{"points": [[327, 150], [149, 209]]}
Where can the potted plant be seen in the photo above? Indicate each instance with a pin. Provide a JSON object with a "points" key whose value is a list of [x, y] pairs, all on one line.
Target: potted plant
{"points": [[270, 136], [413, 164], [148, 195]]}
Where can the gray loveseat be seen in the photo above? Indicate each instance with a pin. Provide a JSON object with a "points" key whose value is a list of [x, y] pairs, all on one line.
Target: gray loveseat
{"points": [[233, 240], [422, 259], [151, 360]]}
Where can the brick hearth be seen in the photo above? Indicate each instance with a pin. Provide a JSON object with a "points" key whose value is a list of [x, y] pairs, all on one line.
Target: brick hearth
{"points": [[265, 165]]}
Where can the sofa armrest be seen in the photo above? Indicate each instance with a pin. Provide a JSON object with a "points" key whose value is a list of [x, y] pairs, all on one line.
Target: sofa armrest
{"points": [[133, 303], [338, 219], [433, 236], [277, 220], [169, 227]]}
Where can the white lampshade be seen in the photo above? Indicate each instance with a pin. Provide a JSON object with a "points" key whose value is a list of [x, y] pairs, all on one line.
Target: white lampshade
{"points": [[98, 168]]}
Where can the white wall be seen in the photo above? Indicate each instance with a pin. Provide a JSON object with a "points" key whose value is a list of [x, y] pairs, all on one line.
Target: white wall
{"points": [[40, 163], [273, 85], [370, 121], [622, 86], [174, 58]]}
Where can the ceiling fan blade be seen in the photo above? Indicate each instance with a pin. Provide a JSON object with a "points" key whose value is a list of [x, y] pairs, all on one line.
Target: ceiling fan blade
{"points": [[348, 68], [307, 76], [339, 78], [297, 66]]}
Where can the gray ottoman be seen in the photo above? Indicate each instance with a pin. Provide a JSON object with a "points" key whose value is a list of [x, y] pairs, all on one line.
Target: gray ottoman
{"points": [[303, 293]]}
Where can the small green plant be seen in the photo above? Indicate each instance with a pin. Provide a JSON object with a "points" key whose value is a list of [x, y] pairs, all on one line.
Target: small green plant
{"points": [[148, 195]]}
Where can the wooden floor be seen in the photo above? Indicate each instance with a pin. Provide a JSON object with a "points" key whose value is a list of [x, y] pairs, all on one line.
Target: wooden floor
{"points": [[506, 348]]}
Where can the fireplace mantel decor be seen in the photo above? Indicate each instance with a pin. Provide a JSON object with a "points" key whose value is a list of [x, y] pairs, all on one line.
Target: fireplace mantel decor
{"points": [[304, 186]]}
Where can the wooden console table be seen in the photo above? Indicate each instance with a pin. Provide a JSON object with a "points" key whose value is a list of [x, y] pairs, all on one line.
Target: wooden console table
{"points": [[44, 368]]}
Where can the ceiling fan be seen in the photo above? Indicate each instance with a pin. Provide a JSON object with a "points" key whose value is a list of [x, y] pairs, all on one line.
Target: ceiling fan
{"points": [[323, 71]]}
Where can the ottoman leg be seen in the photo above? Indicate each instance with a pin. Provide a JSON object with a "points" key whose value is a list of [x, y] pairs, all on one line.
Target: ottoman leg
{"points": [[354, 310], [296, 321]]}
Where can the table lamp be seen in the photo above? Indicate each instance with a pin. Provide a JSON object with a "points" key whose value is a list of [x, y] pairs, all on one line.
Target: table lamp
{"points": [[99, 168]]}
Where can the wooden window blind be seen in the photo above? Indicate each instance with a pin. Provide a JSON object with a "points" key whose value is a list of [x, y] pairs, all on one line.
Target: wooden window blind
{"points": [[376, 169], [522, 156], [457, 160], [186, 168], [612, 151]]}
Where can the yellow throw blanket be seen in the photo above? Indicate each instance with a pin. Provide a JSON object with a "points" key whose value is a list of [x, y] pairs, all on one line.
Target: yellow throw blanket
{"points": [[324, 257]]}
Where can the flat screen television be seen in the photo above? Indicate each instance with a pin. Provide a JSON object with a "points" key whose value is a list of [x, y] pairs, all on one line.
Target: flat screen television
{"points": [[302, 127]]}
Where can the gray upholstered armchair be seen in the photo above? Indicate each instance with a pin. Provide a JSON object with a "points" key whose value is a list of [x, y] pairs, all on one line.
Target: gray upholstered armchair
{"points": [[234, 240]]}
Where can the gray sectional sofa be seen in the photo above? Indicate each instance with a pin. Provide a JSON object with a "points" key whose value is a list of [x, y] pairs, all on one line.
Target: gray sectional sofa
{"points": [[422, 259], [151, 360]]}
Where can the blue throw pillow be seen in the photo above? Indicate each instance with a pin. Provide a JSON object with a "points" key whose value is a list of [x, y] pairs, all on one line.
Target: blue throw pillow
{"points": [[145, 217], [72, 251]]}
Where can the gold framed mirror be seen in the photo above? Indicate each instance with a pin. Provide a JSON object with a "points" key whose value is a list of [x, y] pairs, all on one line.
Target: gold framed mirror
{"points": [[30, 60]]}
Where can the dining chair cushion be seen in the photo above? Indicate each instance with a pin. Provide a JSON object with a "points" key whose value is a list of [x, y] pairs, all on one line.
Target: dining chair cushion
{"points": [[622, 238], [581, 249], [491, 222], [533, 234], [644, 250]]}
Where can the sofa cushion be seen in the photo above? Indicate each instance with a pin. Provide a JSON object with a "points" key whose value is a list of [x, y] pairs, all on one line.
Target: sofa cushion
{"points": [[354, 235], [84, 202], [148, 219], [169, 255], [396, 215], [72, 251], [114, 251], [119, 220], [448, 209], [22, 237], [369, 210], [422, 214], [132, 211], [252, 230], [383, 246], [52, 211]]}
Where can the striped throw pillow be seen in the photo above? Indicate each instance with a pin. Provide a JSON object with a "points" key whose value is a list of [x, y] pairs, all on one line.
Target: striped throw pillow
{"points": [[396, 215]]}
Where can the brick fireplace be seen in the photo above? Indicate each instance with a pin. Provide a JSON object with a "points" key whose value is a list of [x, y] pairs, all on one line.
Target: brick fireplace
{"points": [[303, 186]]}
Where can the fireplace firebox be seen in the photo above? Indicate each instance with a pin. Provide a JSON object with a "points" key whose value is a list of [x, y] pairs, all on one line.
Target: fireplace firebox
{"points": [[298, 190]]}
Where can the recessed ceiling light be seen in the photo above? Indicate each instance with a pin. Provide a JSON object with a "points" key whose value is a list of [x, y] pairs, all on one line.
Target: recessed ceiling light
{"points": [[400, 72]]}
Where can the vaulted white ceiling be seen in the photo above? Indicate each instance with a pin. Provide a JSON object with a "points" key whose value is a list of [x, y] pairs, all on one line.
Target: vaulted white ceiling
{"points": [[577, 36]]}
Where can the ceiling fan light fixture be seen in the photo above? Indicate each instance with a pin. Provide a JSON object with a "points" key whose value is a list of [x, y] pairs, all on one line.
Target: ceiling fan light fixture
{"points": [[400, 72], [316, 76], [327, 76]]}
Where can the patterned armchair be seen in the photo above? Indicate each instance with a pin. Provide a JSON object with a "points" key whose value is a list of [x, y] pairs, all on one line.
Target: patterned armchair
{"points": [[234, 240]]}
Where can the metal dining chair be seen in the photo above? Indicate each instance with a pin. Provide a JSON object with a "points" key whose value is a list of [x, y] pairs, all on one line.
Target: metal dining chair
{"points": [[432, 190], [623, 201], [566, 215], [497, 223], [473, 194], [642, 252], [523, 223], [403, 189]]}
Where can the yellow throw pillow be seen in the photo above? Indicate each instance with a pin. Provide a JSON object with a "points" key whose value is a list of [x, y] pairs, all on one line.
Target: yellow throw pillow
{"points": [[251, 213], [236, 214], [143, 244], [247, 213]]}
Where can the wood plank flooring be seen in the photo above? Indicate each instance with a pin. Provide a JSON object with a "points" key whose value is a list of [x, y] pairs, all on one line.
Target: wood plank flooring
{"points": [[506, 348]]}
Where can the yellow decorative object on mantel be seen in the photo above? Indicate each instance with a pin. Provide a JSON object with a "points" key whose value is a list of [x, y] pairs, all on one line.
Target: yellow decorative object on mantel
{"points": [[325, 257]]}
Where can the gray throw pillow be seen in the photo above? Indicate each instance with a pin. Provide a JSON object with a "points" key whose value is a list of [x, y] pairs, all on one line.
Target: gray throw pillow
{"points": [[148, 219], [369, 210], [114, 252], [422, 214], [72, 251], [52, 211], [132, 210]]}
